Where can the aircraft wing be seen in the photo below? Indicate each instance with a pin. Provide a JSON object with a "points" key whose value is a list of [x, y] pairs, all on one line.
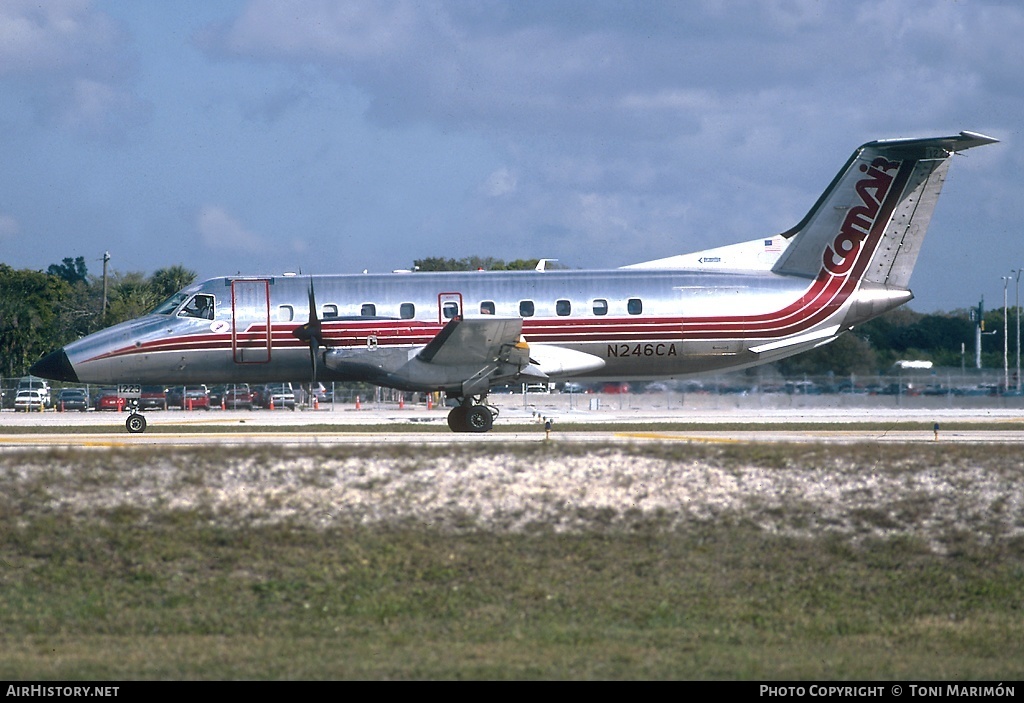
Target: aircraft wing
{"points": [[475, 341]]}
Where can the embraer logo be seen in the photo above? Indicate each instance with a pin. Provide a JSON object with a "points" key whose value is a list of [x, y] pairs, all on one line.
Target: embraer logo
{"points": [[872, 190]]}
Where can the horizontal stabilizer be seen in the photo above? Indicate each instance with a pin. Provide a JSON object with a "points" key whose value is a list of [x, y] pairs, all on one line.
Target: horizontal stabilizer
{"points": [[821, 335]]}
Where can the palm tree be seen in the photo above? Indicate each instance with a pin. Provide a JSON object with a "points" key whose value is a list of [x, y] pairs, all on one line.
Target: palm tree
{"points": [[166, 282]]}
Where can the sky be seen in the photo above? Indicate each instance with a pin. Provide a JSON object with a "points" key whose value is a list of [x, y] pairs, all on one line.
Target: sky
{"points": [[264, 136]]}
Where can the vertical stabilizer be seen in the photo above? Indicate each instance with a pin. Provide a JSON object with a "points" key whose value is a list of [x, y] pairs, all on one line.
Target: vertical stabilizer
{"points": [[871, 220]]}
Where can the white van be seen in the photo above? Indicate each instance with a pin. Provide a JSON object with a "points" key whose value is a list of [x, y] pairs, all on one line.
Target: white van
{"points": [[33, 383]]}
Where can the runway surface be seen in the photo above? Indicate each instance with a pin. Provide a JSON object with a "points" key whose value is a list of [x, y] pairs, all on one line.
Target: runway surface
{"points": [[418, 425]]}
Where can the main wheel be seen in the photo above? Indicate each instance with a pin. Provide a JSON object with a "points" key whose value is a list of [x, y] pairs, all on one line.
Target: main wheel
{"points": [[135, 423], [457, 419], [479, 419]]}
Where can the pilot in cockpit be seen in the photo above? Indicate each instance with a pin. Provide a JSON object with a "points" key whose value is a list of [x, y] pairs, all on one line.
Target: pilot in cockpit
{"points": [[200, 306]]}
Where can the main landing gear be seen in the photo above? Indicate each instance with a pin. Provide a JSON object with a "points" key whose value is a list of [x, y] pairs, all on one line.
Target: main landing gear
{"points": [[472, 415]]}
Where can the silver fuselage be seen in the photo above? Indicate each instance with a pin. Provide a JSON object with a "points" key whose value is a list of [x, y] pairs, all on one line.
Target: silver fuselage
{"points": [[642, 324]]}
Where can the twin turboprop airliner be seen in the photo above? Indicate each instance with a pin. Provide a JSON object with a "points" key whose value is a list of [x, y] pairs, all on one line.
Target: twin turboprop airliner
{"points": [[847, 261]]}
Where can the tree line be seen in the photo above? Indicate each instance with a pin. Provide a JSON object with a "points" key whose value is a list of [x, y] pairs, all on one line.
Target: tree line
{"points": [[42, 310]]}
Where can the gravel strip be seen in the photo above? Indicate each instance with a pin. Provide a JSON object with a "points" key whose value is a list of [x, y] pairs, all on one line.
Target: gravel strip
{"points": [[931, 498]]}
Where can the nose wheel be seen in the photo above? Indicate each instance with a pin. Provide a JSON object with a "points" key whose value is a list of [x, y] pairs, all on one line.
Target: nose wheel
{"points": [[470, 416], [136, 423]]}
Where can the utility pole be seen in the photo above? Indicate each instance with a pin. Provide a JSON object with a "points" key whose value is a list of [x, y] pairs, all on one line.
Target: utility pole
{"points": [[103, 309]]}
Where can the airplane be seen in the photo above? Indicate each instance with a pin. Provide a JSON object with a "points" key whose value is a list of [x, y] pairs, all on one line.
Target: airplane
{"points": [[847, 261]]}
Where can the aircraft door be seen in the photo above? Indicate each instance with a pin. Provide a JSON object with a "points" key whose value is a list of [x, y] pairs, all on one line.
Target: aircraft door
{"points": [[449, 305], [250, 321]]}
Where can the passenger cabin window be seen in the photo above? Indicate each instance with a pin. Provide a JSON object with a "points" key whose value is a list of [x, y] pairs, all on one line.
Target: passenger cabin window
{"points": [[563, 307], [526, 308], [487, 307], [201, 306], [368, 310], [330, 310], [407, 311], [634, 306], [450, 309], [285, 313], [600, 307]]}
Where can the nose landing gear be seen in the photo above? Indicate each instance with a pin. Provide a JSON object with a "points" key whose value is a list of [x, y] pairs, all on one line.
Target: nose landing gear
{"points": [[136, 423]]}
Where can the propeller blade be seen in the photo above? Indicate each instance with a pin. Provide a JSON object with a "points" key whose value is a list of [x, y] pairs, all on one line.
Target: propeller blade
{"points": [[314, 351], [312, 331]]}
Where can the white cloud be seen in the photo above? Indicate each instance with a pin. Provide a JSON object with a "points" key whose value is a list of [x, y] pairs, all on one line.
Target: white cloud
{"points": [[362, 31], [56, 36], [72, 62], [501, 182], [222, 232]]}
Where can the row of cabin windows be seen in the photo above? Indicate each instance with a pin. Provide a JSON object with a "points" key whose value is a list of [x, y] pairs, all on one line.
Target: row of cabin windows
{"points": [[449, 309], [563, 308]]}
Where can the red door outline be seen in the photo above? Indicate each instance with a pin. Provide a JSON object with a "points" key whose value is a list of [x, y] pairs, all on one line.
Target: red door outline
{"points": [[444, 299]]}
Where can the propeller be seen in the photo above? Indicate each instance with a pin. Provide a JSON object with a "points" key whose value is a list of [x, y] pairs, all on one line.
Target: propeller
{"points": [[311, 332]]}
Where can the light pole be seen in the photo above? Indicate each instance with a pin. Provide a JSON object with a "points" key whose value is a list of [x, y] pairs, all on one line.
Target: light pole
{"points": [[1006, 338], [1016, 304]]}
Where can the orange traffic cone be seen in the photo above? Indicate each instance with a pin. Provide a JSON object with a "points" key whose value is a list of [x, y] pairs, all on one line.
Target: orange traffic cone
{"points": [[271, 407], [316, 402], [401, 401], [358, 406]]}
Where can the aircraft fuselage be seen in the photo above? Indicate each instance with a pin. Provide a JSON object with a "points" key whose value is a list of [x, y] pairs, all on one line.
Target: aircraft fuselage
{"points": [[641, 324]]}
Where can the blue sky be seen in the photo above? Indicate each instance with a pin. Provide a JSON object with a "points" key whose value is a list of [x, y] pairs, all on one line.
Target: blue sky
{"points": [[259, 136]]}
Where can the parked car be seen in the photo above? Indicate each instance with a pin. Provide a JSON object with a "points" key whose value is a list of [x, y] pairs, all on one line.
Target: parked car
{"points": [[303, 396], [189, 397], [108, 399], [217, 396], [238, 396], [280, 395], [73, 399], [29, 400], [153, 398]]}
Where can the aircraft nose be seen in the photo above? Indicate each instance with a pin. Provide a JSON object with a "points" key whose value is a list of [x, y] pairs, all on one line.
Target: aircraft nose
{"points": [[55, 366]]}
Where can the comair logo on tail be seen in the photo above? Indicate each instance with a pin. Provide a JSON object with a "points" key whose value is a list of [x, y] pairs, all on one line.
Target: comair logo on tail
{"points": [[873, 190]]}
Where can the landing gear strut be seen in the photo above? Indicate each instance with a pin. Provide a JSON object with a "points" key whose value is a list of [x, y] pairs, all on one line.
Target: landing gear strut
{"points": [[472, 415]]}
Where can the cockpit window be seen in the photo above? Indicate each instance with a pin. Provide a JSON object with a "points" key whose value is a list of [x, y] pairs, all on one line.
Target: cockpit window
{"points": [[171, 304], [200, 306]]}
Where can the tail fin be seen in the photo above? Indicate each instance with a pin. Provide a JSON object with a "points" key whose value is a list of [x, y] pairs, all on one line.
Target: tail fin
{"points": [[870, 221]]}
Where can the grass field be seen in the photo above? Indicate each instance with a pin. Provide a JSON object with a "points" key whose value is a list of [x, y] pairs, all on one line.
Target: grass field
{"points": [[750, 561]]}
